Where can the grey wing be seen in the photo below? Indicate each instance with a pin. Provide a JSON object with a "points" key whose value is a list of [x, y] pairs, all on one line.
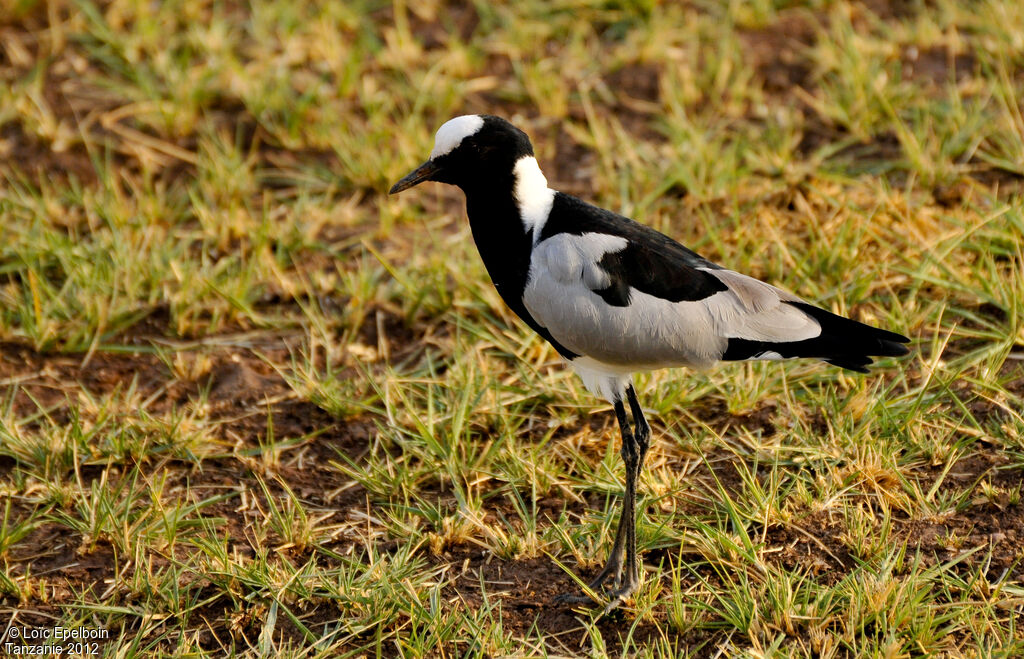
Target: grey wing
{"points": [[595, 306], [753, 310]]}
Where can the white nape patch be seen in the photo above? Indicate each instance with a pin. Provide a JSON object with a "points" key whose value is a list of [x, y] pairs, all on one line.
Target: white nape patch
{"points": [[452, 132], [533, 196], [604, 380]]}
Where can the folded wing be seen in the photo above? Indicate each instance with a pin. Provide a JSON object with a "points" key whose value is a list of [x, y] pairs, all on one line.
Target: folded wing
{"points": [[652, 303]]}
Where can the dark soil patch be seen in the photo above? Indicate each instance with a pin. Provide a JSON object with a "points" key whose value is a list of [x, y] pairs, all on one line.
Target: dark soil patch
{"points": [[636, 81], [390, 333], [938, 67], [867, 155], [714, 413], [457, 20], [636, 87], [811, 545], [573, 167], [952, 195], [527, 590], [815, 544], [41, 159], [994, 530], [1003, 183], [778, 51], [37, 380], [897, 10]]}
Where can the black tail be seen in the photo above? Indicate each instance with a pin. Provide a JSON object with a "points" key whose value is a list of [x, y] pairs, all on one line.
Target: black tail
{"points": [[842, 342]]}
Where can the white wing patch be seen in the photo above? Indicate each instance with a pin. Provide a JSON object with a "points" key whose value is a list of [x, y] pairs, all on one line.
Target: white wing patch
{"points": [[533, 196], [452, 132]]}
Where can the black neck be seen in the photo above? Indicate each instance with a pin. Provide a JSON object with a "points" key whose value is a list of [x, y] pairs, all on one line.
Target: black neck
{"points": [[502, 240], [505, 246]]}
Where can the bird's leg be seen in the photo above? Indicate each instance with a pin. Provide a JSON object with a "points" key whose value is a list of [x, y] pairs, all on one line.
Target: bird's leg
{"points": [[635, 442], [641, 430], [631, 456], [634, 449], [613, 566]]}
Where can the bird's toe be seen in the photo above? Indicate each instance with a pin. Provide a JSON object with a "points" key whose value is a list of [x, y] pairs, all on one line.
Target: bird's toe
{"points": [[620, 595], [574, 598]]}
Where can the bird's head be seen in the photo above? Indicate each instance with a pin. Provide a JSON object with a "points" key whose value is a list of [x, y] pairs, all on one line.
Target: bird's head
{"points": [[471, 151]]}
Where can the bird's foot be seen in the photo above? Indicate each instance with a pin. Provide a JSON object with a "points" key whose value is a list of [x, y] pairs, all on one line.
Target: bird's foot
{"points": [[593, 592], [573, 598], [620, 595]]}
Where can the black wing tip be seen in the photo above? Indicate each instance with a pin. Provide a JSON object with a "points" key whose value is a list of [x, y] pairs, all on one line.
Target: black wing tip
{"points": [[852, 351], [854, 342], [893, 347], [860, 362]]}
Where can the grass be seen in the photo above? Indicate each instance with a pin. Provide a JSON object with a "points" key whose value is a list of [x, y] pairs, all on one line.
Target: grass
{"points": [[250, 404]]}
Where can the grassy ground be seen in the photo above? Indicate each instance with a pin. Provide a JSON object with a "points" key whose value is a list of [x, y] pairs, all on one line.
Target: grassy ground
{"points": [[250, 404]]}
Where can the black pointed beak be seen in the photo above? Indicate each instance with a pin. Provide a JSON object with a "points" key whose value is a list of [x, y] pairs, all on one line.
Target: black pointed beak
{"points": [[418, 175]]}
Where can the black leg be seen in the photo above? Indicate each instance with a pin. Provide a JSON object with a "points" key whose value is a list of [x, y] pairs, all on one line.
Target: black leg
{"points": [[633, 456], [635, 442], [641, 431], [613, 566]]}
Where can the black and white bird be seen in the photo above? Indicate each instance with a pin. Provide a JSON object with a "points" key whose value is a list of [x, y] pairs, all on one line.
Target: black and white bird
{"points": [[614, 296]]}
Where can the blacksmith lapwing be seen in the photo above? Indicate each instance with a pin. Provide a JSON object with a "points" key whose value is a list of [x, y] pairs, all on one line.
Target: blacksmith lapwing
{"points": [[614, 296]]}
